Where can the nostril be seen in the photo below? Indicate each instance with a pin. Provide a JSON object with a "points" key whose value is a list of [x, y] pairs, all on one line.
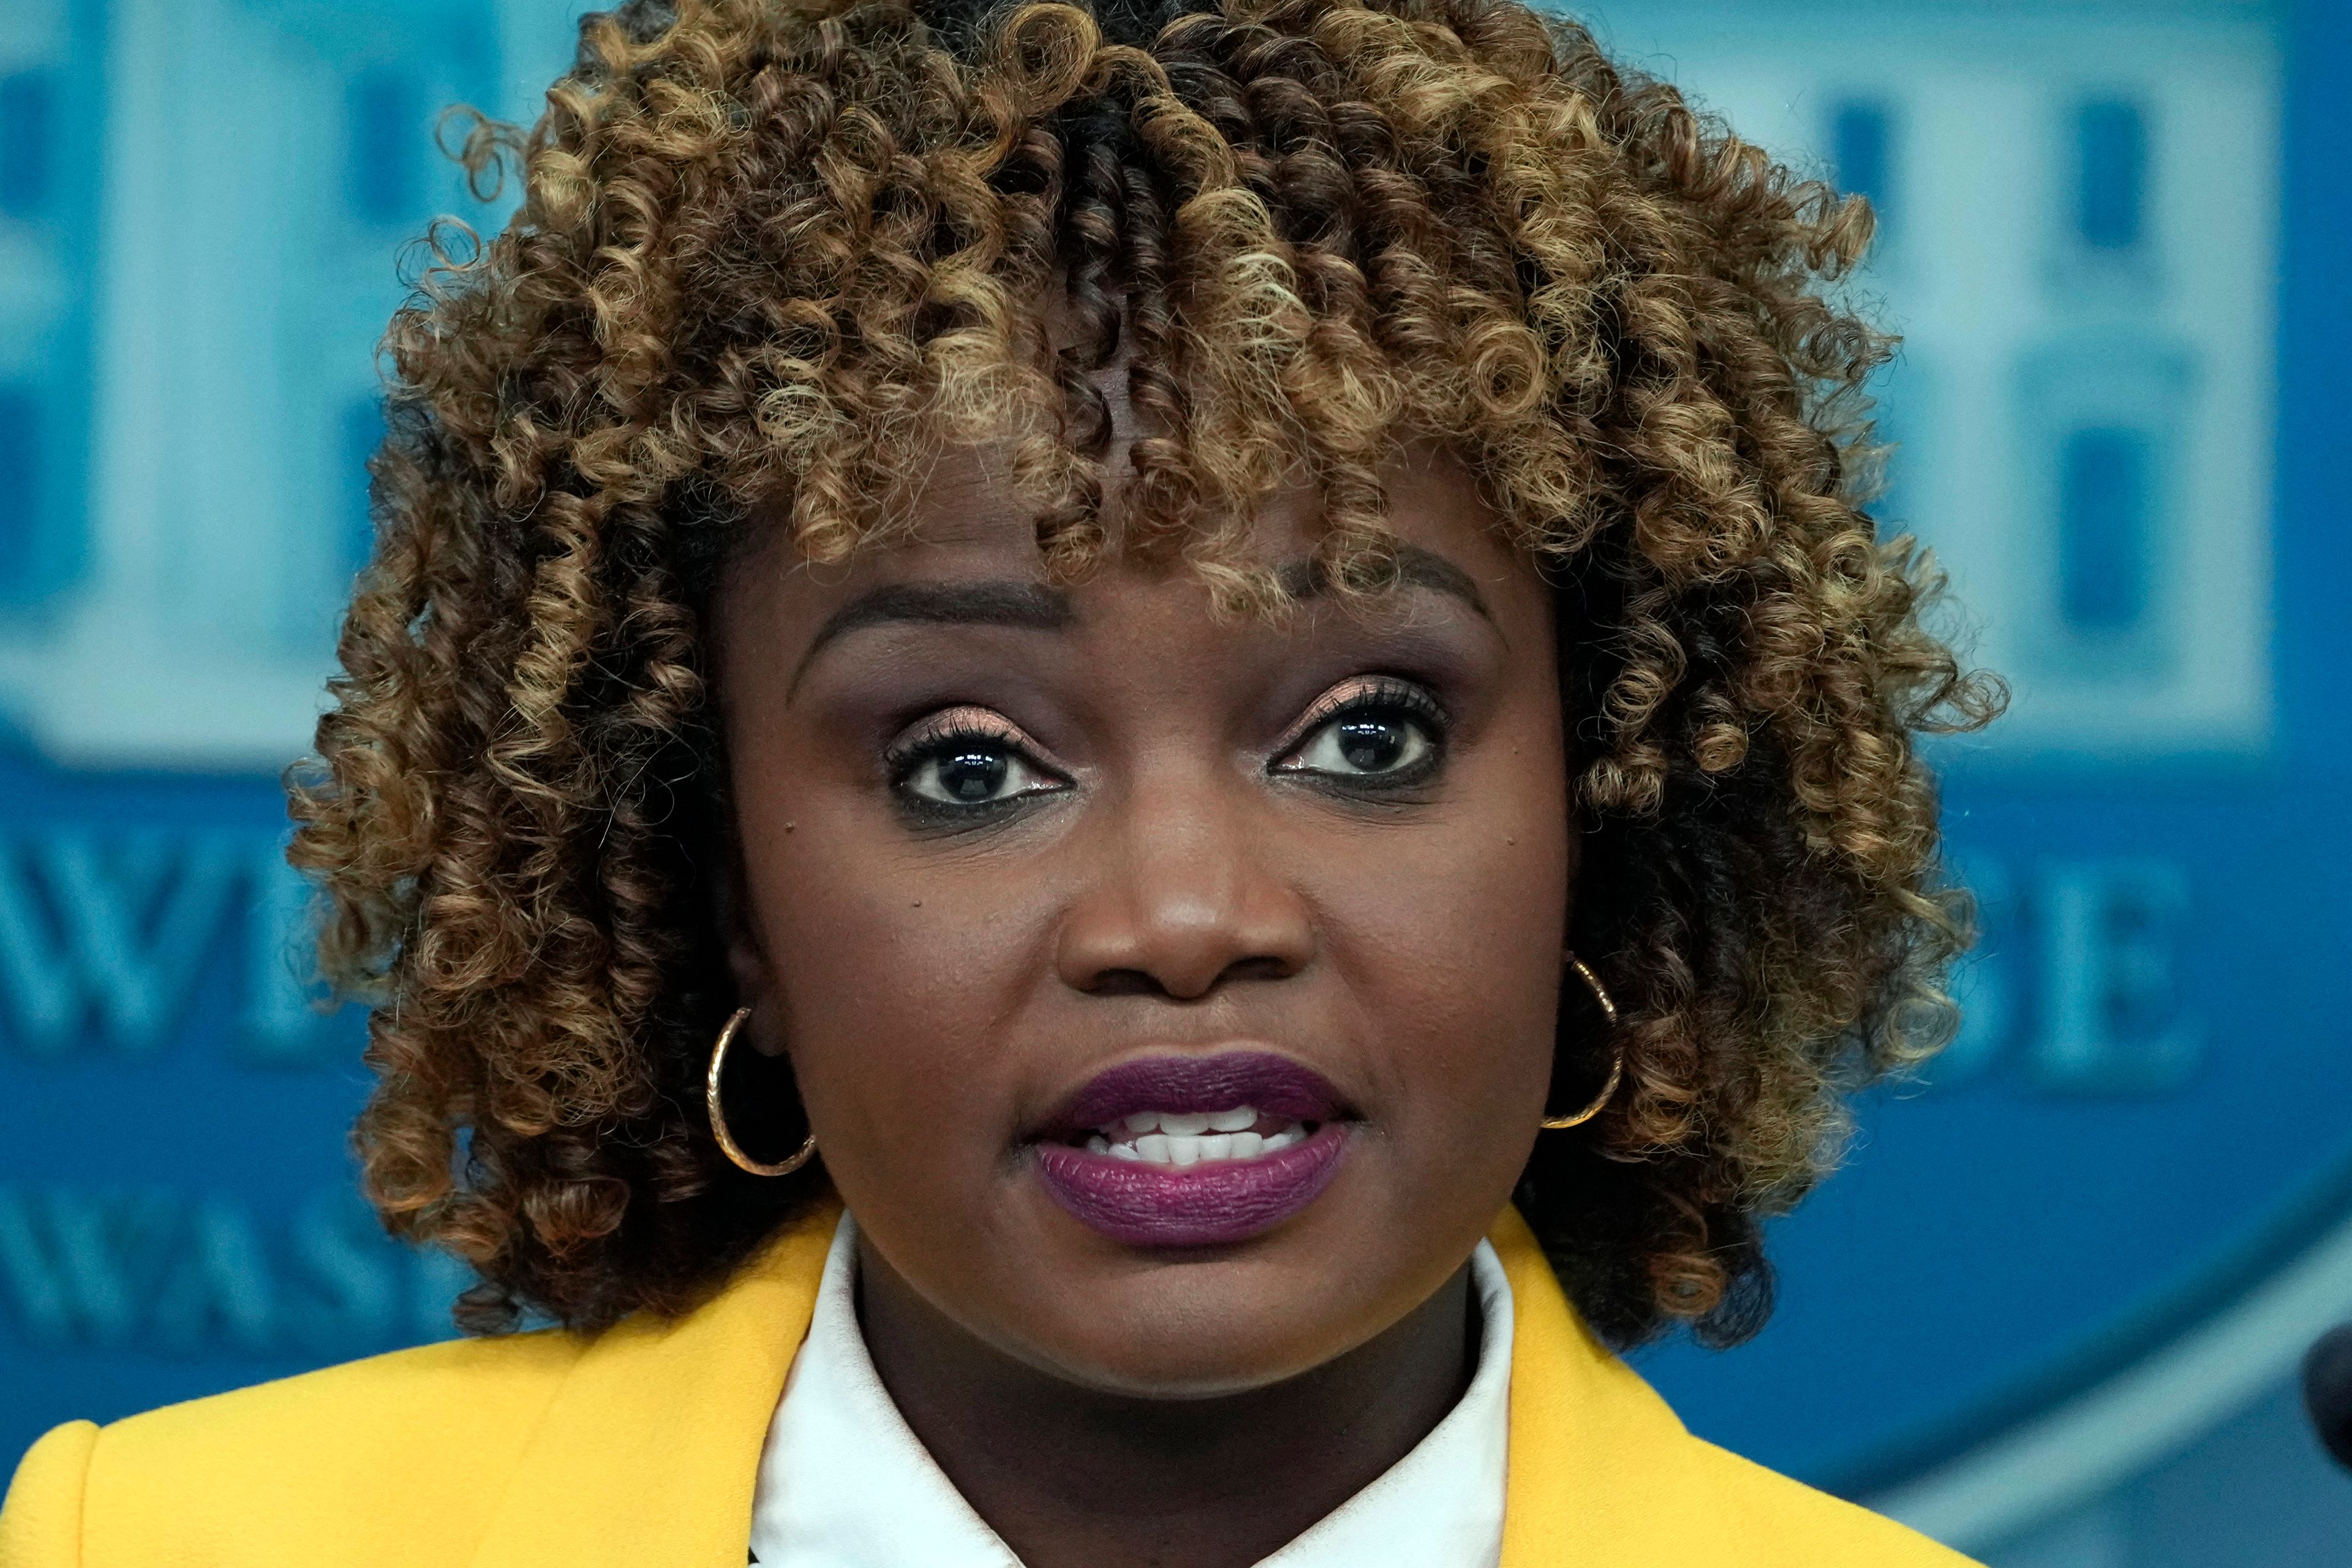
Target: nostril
{"points": [[1131, 982], [1122, 983]]}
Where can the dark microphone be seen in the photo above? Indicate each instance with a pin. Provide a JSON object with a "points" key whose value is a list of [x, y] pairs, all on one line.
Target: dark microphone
{"points": [[2327, 1391]]}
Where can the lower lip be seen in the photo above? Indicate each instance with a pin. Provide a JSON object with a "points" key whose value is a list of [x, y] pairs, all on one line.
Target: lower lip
{"points": [[1212, 1205]]}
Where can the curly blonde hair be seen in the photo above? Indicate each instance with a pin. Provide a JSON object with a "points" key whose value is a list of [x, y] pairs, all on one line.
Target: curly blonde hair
{"points": [[771, 251]]}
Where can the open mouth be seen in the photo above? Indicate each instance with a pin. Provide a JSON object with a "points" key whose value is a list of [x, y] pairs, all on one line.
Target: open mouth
{"points": [[1194, 1151], [1198, 1137]]}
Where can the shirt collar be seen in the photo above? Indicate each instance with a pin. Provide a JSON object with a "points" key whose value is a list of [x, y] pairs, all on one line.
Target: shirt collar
{"points": [[845, 1483]]}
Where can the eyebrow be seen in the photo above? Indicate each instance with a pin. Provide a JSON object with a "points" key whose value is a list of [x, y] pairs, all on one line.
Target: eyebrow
{"points": [[1034, 607], [1009, 602], [1415, 567]]}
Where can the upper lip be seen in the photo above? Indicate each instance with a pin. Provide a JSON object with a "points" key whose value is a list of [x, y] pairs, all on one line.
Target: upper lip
{"points": [[1219, 1081]]}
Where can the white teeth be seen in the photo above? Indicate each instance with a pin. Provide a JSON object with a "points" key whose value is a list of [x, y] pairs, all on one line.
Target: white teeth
{"points": [[1180, 1149], [1184, 1123]]}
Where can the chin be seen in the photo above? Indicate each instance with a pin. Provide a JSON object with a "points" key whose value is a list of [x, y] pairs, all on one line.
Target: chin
{"points": [[1196, 1331], [1200, 1323]]}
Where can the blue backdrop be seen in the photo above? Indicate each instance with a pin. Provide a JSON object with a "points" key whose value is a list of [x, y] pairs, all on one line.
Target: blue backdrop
{"points": [[2115, 240]]}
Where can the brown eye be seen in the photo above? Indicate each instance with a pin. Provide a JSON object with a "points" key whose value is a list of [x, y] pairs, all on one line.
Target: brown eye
{"points": [[1366, 743], [975, 775], [967, 766], [971, 776]]}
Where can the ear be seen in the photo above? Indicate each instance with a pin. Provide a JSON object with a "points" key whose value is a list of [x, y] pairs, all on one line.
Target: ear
{"points": [[747, 956]]}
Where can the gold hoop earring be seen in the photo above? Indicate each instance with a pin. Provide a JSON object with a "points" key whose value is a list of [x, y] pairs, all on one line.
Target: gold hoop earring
{"points": [[1616, 1053], [726, 1144]]}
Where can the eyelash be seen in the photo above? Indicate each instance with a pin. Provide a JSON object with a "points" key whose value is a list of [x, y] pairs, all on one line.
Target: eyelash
{"points": [[953, 736], [1386, 696]]}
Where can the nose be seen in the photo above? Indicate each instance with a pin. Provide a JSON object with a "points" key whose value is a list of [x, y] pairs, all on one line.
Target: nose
{"points": [[1185, 898]]}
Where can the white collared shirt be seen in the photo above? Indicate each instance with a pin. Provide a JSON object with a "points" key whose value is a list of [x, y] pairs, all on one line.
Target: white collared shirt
{"points": [[845, 1483]]}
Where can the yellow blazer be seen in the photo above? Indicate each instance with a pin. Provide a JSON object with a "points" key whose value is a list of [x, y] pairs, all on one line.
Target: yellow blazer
{"points": [[638, 1448]]}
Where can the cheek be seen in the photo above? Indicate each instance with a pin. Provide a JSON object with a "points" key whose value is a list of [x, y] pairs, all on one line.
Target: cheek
{"points": [[1455, 946], [889, 975]]}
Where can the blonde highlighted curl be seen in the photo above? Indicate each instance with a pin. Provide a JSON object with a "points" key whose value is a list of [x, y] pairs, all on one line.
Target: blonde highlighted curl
{"points": [[771, 252]]}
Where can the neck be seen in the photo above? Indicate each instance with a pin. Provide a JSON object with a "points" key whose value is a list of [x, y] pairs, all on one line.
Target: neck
{"points": [[1070, 1476]]}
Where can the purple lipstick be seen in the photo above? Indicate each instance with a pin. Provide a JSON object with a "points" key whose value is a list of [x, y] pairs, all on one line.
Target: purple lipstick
{"points": [[1187, 1151]]}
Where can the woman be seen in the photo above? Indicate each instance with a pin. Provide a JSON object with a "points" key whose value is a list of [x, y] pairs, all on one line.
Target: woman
{"points": [[1216, 666]]}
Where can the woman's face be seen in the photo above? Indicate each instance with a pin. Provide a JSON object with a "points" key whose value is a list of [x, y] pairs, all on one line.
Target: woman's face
{"points": [[1172, 1000]]}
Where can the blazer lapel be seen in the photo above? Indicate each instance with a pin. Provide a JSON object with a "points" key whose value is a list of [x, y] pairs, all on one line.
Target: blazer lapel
{"points": [[1599, 1464], [647, 1455]]}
